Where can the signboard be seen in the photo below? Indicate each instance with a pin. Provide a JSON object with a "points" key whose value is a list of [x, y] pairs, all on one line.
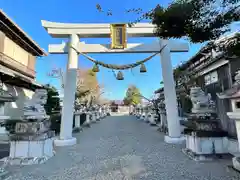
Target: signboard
{"points": [[118, 36]]}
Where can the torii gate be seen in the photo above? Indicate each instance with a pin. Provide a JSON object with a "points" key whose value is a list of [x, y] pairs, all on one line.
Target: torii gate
{"points": [[74, 46]]}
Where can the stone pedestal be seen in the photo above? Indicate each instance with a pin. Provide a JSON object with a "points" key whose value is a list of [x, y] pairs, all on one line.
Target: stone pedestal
{"points": [[205, 140], [31, 143], [30, 152], [202, 148]]}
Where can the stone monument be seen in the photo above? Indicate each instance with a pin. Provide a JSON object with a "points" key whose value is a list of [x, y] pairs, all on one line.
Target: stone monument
{"points": [[32, 140], [205, 139]]}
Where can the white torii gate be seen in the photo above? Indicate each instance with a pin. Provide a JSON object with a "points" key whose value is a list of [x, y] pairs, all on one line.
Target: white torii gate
{"points": [[74, 46]]}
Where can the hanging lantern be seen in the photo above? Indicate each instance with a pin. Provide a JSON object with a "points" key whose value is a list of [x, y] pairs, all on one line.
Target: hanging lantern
{"points": [[95, 68], [120, 76], [143, 68]]}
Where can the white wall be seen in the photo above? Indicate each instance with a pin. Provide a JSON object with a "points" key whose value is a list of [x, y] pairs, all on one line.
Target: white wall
{"points": [[15, 109]]}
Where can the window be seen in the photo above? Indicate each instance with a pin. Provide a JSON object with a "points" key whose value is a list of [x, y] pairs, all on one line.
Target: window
{"points": [[211, 78]]}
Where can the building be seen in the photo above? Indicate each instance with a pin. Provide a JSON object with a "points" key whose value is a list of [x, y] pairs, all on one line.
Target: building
{"points": [[18, 53]]}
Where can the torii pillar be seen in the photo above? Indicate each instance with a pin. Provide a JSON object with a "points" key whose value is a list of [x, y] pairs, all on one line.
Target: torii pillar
{"points": [[76, 31], [65, 138], [173, 120]]}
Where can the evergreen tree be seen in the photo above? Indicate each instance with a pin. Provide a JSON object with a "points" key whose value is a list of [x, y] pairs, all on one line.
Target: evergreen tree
{"points": [[53, 100]]}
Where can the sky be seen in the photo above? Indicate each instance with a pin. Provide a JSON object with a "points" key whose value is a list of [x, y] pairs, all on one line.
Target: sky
{"points": [[28, 15]]}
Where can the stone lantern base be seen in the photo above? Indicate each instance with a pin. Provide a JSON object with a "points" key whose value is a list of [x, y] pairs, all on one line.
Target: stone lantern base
{"points": [[236, 117]]}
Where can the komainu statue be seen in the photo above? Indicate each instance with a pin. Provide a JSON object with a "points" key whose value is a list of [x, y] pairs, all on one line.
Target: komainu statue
{"points": [[201, 102], [34, 108]]}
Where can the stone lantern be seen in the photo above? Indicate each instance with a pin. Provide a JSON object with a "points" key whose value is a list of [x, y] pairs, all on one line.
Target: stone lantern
{"points": [[233, 95], [4, 98], [151, 116]]}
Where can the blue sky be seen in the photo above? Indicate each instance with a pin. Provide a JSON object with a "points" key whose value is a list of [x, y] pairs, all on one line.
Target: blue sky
{"points": [[28, 15]]}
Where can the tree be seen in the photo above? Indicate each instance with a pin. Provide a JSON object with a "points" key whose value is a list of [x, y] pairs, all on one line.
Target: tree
{"points": [[190, 18], [53, 100], [198, 20], [133, 96], [87, 85]]}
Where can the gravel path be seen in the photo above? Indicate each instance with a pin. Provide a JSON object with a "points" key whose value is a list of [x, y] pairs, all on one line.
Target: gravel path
{"points": [[123, 148]]}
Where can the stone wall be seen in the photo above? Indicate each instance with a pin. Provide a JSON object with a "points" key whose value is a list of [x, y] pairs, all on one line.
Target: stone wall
{"points": [[15, 109]]}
